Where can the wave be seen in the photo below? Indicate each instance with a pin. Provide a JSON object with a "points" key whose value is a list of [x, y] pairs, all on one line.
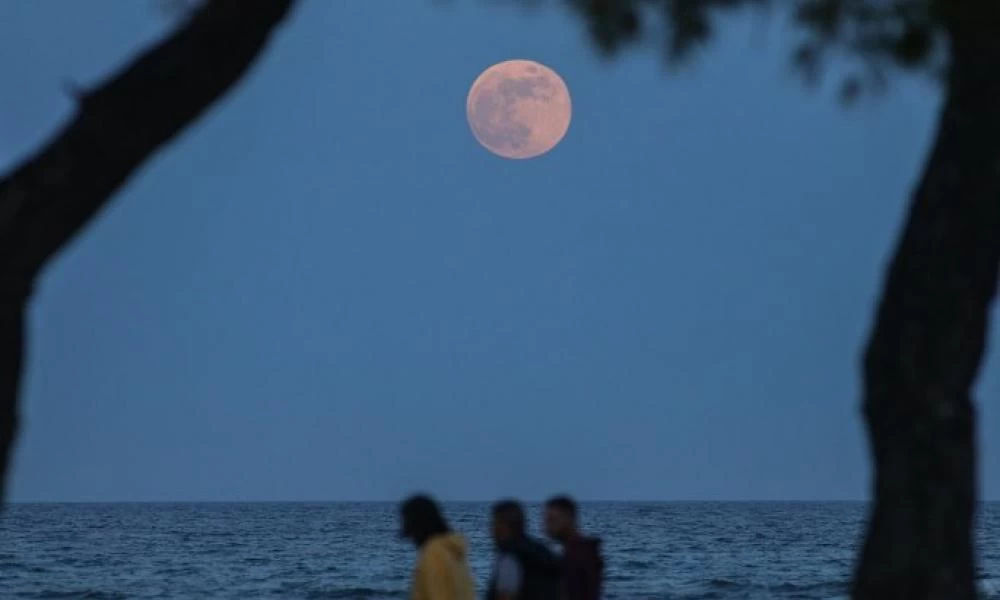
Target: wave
{"points": [[724, 588], [81, 594], [638, 565], [729, 584], [354, 593], [989, 587], [724, 584]]}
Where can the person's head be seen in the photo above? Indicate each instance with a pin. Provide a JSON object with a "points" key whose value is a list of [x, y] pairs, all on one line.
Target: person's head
{"points": [[422, 519], [508, 521], [560, 518]]}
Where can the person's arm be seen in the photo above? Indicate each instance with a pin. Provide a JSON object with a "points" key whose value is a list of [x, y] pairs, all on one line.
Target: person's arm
{"points": [[509, 578], [582, 575]]}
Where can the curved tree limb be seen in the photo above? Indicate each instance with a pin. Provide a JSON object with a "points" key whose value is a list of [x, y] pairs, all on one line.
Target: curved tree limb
{"points": [[119, 125]]}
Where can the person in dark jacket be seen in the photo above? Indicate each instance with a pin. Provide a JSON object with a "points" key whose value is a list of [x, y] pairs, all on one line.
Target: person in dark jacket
{"points": [[525, 568], [583, 566]]}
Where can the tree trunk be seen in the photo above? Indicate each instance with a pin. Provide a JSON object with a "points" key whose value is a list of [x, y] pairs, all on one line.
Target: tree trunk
{"points": [[927, 347], [119, 125], [11, 359]]}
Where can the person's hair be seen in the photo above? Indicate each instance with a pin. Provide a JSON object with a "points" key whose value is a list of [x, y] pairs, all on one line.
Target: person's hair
{"points": [[510, 513], [563, 504], [422, 519]]}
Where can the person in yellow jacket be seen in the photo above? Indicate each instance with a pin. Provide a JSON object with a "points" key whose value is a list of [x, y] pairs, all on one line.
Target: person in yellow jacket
{"points": [[442, 571]]}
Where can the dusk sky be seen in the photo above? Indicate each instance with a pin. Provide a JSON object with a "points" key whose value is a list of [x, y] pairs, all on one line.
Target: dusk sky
{"points": [[327, 290]]}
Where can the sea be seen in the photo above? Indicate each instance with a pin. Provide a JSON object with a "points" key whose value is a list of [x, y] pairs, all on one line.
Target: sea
{"points": [[664, 551]]}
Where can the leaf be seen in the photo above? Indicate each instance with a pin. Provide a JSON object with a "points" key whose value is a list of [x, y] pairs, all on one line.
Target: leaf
{"points": [[808, 60], [914, 46], [850, 90], [823, 16]]}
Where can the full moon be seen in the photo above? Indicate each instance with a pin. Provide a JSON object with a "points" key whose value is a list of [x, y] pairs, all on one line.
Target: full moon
{"points": [[519, 109]]}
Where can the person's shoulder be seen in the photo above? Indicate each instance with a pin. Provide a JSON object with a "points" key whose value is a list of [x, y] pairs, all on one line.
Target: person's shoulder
{"points": [[532, 548], [539, 545], [583, 547], [535, 554], [450, 545], [587, 541], [508, 567]]}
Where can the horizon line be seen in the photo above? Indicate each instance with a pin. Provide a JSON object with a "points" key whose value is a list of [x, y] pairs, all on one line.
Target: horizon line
{"points": [[479, 501], [460, 501]]}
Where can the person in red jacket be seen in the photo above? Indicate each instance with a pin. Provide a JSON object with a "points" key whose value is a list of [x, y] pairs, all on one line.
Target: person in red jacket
{"points": [[583, 565]]}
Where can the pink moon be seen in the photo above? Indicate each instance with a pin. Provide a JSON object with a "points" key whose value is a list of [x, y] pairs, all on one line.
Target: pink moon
{"points": [[519, 109]]}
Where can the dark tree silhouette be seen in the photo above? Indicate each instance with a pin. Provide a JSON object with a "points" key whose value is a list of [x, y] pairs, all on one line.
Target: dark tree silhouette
{"points": [[928, 340], [119, 125]]}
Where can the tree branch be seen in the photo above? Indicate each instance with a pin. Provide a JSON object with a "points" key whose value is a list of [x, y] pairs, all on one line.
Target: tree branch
{"points": [[118, 126]]}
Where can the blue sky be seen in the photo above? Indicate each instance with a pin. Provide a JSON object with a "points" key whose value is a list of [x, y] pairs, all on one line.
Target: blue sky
{"points": [[327, 290]]}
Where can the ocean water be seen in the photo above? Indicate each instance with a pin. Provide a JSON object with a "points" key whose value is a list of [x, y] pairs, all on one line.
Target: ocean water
{"points": [[351, 551]]}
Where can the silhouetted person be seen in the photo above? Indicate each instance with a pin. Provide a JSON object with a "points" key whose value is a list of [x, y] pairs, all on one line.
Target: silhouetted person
{"points": [[442, 572], [525, 569], [583, 566]]}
